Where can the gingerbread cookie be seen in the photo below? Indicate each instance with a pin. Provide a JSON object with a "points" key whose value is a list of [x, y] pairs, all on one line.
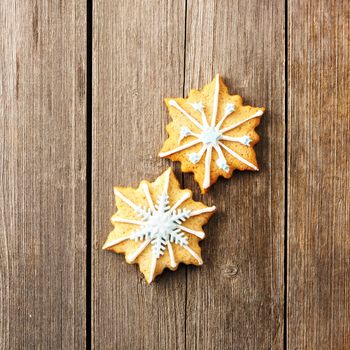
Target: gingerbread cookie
{"points": [[158, 225], [212, 133]]}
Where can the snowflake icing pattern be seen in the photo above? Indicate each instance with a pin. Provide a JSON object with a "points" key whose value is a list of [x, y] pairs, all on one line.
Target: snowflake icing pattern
{"points": [[159, 225], [211, 136]]}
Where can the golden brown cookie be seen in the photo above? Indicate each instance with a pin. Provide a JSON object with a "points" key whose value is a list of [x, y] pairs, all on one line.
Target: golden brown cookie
{"points": [[212, 133], [158, 225]]}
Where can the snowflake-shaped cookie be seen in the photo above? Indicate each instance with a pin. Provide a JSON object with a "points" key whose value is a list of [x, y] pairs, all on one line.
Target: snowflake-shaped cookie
{"points": [[158, 225], [212, 133]]}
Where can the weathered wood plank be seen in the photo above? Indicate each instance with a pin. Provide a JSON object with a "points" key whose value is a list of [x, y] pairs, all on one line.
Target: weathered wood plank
{"points": [[319, 175], [138, 60], [236, 301], [42, 174]]}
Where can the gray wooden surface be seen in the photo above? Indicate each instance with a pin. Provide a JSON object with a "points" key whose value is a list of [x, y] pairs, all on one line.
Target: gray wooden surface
{"points": [[319, 168], [42, 174], [277, 252]]}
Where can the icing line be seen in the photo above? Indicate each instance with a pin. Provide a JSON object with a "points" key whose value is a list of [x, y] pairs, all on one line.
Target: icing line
{"points": [[181, 200], [221, 162], [129, 202], [148, 196], [202, 211], [194, 254], [166, 182], [138, 251], [216, 100], [206, 181], [244, 140], [199, 234], [257, 114], [171, 255], [181, 148], [153, 267], [188, 116], [200, 107], [115, 242], [228, 111], [127, 221], [237, 156]]}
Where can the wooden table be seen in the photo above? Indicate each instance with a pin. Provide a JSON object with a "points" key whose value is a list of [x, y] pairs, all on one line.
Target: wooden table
{"points": [[81, 110]]}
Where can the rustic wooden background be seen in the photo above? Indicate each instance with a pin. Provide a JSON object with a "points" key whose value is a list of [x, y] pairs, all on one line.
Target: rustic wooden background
{"points": [[81, 110]]}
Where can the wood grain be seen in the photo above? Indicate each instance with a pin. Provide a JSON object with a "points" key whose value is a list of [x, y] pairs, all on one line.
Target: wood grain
{"points": [[319, 181], [236, 301], [143, 51], [138, 60], [42, 175]]}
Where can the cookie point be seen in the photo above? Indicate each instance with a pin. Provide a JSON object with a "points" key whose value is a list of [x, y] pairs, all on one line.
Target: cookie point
{"points": [[260, 112]]}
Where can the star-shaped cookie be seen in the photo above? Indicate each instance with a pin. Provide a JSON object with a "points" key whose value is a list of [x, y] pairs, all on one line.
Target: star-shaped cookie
{"points": [[212, 133], [158, 225]]}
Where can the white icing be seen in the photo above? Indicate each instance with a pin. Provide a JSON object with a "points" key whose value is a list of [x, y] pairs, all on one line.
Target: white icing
{"points": [[173, 103], [244, 140], [230, 108], [194, 254], [171, 255], [237, 156], [199, 234], [207, 163], [148, 196], [231, 127], [181, 148], [221, 161], [202, 211], [166, 184], [210, 136], [131, 257], [196, 157], [181, 200], [115, 242], [160, 225], [199, 106], [185, 131], [152, 269], [222, 164], [138, 209], [126, 221], [216, 100]]}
